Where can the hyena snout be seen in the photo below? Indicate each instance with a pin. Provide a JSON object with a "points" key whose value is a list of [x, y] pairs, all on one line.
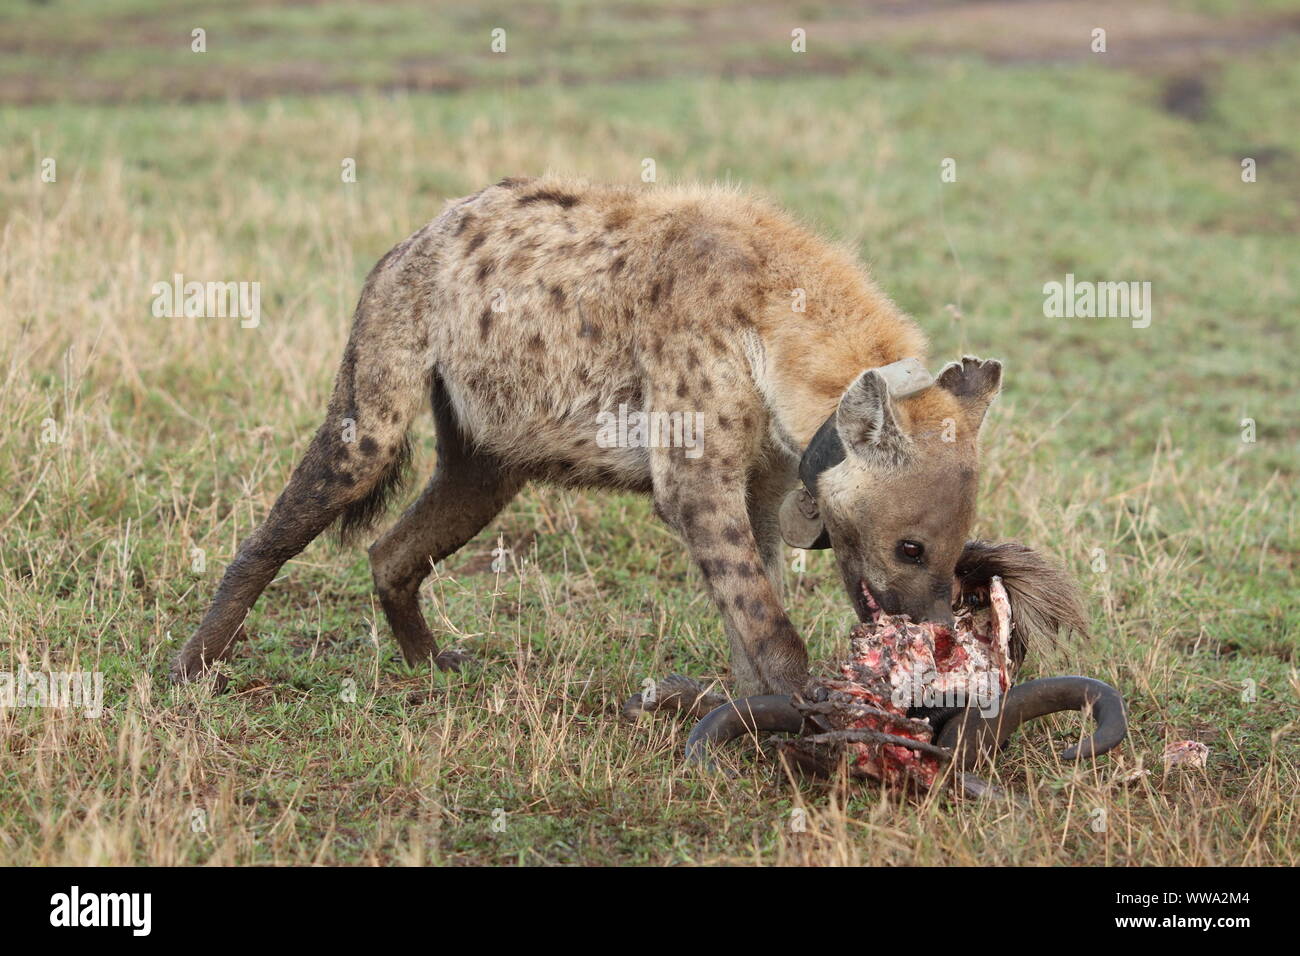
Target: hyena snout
{"points": [[928, 600], [937, 610]]}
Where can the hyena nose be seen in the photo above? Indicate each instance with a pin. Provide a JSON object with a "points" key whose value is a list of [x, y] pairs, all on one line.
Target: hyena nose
{"points": [[940, 613]]}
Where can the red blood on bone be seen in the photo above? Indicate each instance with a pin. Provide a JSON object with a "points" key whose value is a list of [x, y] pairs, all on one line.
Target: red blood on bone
{"points": [[892, 651]]}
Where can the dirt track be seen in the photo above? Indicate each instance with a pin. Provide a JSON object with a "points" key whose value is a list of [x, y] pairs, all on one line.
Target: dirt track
{"points": [[729, 41]]}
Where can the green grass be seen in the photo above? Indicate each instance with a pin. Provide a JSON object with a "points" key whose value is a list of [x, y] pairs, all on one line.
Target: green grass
{"points": [[179, 433]]}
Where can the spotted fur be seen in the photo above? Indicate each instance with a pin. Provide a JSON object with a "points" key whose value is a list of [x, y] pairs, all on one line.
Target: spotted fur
{"points": [[532, 306]]}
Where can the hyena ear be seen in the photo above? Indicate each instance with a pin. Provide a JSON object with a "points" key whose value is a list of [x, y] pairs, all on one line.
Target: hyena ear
{"points": [[975, 383], [866, 422]]}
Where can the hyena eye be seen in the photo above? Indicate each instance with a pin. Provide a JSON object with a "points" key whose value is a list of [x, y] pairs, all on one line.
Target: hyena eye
{"points": [[910, 551]]}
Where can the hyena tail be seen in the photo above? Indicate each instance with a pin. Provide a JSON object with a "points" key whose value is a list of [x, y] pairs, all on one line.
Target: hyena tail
{"points": [[363, 451], [359, 517], [354, 463]]}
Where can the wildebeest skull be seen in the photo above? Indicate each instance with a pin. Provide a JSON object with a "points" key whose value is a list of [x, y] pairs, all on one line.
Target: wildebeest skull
{"points": [[870, 715]]}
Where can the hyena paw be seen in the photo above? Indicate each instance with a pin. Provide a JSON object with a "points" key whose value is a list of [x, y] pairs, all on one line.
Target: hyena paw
{"points": [[198, 658], [453, 660], [786, 684], [186, 670], [635, 706]]}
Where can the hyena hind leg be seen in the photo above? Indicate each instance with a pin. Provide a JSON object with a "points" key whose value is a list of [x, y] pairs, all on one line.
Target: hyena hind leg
{"points": [[468, 489], [332, 476], [355, 460]]}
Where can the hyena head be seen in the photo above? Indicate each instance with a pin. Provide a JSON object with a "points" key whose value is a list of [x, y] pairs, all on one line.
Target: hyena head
{"points": [[895, 481]]}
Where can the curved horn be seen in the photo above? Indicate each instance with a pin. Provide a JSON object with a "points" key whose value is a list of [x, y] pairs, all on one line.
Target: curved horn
{"points": [[801, 522], [736, 718], [971, 735]]}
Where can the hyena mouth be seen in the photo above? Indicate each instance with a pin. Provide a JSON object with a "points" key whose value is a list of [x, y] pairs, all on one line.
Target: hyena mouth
{"points": [[865, 604]]}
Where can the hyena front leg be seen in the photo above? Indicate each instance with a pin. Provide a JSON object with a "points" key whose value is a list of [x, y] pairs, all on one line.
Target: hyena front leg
{"points": [[468, 489], [705, 501]]}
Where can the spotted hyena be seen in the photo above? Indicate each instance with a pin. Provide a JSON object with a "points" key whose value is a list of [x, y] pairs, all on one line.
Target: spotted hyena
{"points": [[532, 308]]}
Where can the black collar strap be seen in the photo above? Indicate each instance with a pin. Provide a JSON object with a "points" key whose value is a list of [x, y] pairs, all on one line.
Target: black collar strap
{"points": [[824, 451]]}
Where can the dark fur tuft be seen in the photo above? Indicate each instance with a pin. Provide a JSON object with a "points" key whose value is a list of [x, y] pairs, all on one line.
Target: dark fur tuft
{"points": [[360, 516], [1044, 598]]}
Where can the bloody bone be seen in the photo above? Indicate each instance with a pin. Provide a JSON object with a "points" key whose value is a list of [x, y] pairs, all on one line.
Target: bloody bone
{"points": [[912, 697]]}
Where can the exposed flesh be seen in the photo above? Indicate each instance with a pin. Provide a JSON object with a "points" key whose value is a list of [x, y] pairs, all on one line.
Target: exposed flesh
{"points": [[896, 664]]}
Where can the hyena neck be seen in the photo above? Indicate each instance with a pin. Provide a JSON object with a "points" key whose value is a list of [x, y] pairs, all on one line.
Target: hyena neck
{"points": [[813, 359], [824, 323], [924, 414]]}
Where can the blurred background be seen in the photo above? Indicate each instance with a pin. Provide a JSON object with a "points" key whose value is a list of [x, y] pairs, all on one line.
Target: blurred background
{"points": [[123, 50]]}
